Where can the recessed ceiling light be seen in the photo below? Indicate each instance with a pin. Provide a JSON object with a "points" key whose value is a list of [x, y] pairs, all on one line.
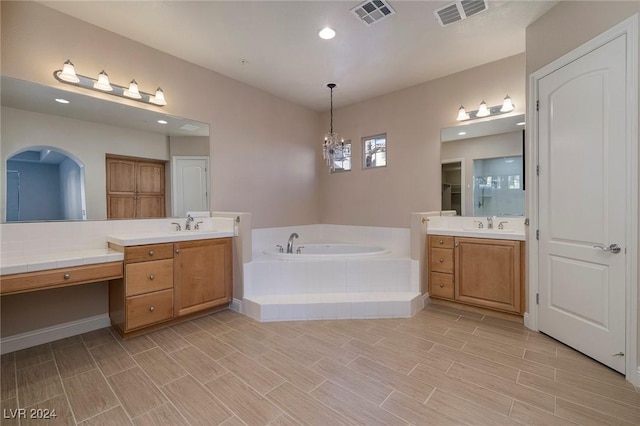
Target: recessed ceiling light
{"points": [[163, 122], [62, 101], [326, 33], [462, 133]]}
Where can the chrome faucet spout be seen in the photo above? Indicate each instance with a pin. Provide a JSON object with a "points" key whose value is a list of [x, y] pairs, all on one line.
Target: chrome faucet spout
{"points": [[490, 222], [187, 226], [290, 243]]}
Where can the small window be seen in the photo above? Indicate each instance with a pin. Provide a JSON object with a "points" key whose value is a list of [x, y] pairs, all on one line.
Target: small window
{"points": [[374, 151], [342, 159]]}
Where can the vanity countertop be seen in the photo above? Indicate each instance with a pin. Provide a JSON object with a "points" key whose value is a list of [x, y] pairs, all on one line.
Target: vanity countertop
{"points": [[496, 234], [15, 263], [136, 239]]}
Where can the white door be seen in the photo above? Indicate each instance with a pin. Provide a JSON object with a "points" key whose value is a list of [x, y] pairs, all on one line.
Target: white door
{"points": [[190, 185], [582, 213]]}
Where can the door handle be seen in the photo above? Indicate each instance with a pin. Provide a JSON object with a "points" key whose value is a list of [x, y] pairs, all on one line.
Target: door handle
{"points": [[613, 248]]}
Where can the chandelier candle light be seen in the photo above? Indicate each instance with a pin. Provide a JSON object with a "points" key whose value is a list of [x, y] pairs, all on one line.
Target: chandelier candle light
{"points": [[333, 144], [68, 75]]}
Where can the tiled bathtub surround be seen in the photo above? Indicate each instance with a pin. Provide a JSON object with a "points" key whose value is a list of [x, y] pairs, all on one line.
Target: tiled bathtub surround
{"points": [[378, 287]]}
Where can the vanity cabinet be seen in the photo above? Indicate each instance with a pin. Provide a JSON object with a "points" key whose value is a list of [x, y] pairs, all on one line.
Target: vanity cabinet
{"points": [[164, 281], [477, 271]]}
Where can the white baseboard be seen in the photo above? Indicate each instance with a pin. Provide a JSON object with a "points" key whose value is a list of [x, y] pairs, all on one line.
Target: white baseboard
{"points": [[425, 299], [50, 334], [528, 322], [635, 377], [236, 305]]}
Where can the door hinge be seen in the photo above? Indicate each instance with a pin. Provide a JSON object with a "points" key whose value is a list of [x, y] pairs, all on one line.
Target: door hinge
{"points": [[537, 170], [537, 105], [537, 298], [537, 234]]}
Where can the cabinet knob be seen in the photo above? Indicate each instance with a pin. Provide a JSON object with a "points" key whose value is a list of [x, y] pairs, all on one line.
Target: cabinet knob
{"points": [[177, 250], [151, 252], [152, 277], [66, 276], [152, 308], [442, 260], [441, 285], [441, 242]]}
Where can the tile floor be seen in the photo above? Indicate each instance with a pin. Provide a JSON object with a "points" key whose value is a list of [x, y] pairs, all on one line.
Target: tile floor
{"points": [[443, 366]]}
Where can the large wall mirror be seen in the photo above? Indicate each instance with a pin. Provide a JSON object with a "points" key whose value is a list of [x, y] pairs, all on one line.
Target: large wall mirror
{"points": [[68, 156], [483, 167]]}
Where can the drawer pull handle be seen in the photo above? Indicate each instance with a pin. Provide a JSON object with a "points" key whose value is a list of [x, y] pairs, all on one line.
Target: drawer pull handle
{"points": [[441, 242], [152, 277], [177, 250], [151, 252], [442, 260], [66, 276], [152, 308], [441, 285]]}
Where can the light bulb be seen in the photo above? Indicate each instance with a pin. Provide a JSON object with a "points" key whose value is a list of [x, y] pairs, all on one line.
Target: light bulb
{"points": [[103, 82], [133, 91], [68, 73], [507, 105], [462, 114], [483, 111], [158, 99]]}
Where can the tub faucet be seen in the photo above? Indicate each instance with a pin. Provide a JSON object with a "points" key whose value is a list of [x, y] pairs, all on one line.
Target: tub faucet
{"points": [[187, 226], [290, 243], [490, 222]]}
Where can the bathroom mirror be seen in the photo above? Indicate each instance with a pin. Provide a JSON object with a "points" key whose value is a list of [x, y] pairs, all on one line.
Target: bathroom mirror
{"points": [[59, 149], [483, 167]]}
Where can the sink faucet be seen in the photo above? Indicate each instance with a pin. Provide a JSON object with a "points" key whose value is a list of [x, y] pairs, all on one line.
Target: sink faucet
{"points": [[187, 226], [290, 242], [490, 222]]}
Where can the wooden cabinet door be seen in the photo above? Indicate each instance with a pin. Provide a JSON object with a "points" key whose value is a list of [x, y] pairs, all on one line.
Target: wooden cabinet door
{"points": [[487, 273], [121, 176], [121, 206], [150, 178], [202, 275]]}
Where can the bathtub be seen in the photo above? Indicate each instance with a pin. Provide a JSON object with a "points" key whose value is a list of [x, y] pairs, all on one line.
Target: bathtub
{"points": [[325, 251], [369, 277]]}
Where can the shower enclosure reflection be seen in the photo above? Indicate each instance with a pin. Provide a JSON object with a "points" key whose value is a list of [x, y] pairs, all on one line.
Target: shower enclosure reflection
{"points": [[497, 187]]}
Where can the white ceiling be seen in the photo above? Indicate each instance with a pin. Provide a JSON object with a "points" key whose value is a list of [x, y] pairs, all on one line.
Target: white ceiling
{"points": [[274, 45]]}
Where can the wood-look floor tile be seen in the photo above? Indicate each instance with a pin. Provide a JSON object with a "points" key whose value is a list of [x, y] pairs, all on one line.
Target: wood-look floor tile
{"points": [[350, 379], [518, 363], [353, 407], [185, 328], [465, 411], [111, 417], [137, 344], [597, 371], [97, 337], [415, 412], [233, 421], [582, 397], [73, 359], [136, 392], [625, 395], [505, 387], [304, 408], [465, 390], [33, 356], [211, 325], [406, 341], [495, 368], [417, 331], [7, 377], [159, 366], [53, 412], [195, 403], [226, 315], [168, 340], [210, 345], [528, 415], [505, 331], [414, 350], [111, 358], [521, 341], [289, 329], [10, 414], [251, 329], [289, 369], [410, 386], [198, 364], [284, 420], [424, 323], [294, 350], [252, 372], [319, 331], [356, 329], [326, 349], [455, 311], [501, 322], [583, 415], [397, 361], [61, 343], [243, 343], [486, 343], [251, 407], [436, 318], [89, 394], [38, 383], [164, 415]]}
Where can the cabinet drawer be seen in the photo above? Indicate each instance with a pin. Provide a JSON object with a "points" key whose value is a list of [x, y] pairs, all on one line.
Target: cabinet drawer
{"points": [[145, 277], [149, 308], [440, 241], [441, 260], [148, 252], [441, 285]]}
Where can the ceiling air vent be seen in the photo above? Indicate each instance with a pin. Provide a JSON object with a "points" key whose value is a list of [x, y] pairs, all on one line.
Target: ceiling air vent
{"points": [[373, 11], [459, 10]]}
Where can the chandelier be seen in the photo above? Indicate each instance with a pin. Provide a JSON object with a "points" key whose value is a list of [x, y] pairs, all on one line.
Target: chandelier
{"points": [[333, 145]]}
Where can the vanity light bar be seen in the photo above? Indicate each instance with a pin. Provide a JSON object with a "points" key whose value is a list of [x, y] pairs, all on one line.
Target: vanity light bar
{"points": [[485, 111], [102, 84]]}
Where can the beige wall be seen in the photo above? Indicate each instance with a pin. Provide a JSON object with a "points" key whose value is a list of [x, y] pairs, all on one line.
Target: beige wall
{"points": [[250, 130], [412, 119], [567, 26]]}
